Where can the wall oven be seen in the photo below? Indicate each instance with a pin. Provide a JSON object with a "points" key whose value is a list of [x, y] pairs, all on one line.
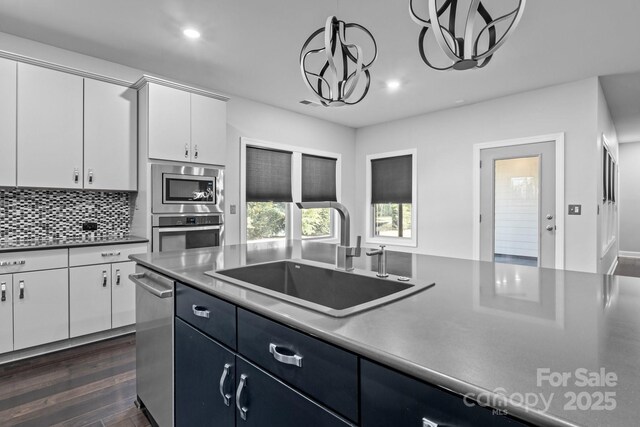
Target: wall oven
{"points": [[185, 231], [186, 189]]}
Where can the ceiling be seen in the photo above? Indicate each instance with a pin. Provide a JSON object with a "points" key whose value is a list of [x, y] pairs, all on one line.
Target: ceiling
{"points": [[250, 48]]}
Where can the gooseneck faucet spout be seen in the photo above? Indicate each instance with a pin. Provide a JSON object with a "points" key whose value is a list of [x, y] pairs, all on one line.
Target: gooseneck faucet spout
{"points": [[344, 253]]}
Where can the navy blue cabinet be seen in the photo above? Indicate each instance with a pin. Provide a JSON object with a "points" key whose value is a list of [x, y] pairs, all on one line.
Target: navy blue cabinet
{"points": [[389, 398], [266, 401], [204, 380]]}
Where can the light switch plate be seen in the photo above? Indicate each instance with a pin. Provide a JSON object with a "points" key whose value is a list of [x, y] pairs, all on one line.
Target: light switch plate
{"points": [[575, 209]]}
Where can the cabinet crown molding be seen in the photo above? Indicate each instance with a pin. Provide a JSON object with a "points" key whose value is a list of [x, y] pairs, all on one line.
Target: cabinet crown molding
{"points": [[157, 80]]}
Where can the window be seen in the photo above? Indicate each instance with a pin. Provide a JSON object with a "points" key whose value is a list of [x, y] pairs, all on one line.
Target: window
{"points": [[275, 175], [391, 192]]}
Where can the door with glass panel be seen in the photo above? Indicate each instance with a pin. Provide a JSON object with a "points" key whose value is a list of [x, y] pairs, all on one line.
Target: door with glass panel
{"points": [[517, 204]]}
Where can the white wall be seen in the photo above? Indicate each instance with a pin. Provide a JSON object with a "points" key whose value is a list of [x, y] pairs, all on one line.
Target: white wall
{"points": [[607, 244], [629, 198], [244, 118], [445, 139]]}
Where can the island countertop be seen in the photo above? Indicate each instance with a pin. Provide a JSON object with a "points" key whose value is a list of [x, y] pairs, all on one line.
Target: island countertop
{"points": [[493, 332]]}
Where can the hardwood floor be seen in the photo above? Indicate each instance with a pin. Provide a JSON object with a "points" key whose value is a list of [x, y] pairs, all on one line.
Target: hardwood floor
{"points": [[93, 385], [628, 267]]}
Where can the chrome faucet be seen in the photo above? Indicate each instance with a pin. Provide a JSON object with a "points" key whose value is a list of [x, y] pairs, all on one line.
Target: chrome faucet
{"points": [[344, 253], [382, 261]]}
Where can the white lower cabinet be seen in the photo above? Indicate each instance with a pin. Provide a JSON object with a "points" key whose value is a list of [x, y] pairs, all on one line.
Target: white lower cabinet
{"points": [[6, 313], [123, 294], [89, 299], [41, 307]]}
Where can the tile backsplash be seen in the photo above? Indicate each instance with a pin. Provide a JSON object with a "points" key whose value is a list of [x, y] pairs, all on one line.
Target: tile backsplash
{"points": [[30, 214]]}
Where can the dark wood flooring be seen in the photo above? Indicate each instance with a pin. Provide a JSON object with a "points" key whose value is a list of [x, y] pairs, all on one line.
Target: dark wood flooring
{"points": [[93, 385], [628, 267]]}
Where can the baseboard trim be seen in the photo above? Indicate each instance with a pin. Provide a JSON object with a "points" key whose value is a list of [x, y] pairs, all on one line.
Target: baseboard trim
{"points": [[613, 267], [629, 254]]}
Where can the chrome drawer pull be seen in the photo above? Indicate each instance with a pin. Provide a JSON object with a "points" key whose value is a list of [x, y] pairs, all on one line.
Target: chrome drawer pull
{"points": [[284, 355], [117, 277], [104, 279], [225, 396], [243, 409], [21, 287], [4, 291], [9, 263], [117, 253], [200, 311], [428, 423]]}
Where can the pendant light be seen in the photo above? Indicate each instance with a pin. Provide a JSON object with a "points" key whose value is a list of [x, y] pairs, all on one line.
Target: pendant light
{"points": [[463, 48], [336, 76]]}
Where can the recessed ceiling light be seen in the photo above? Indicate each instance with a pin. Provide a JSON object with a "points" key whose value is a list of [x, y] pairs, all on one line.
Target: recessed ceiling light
{"points": [[393, 84], [191, 33], [459, 101]]}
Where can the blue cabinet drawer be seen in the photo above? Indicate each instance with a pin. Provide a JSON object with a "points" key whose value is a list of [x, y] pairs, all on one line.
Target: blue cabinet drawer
{"points": [[390, 398], [322, 371], [211, 315]]}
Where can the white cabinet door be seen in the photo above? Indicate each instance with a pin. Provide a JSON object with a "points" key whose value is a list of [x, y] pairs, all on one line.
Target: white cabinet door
{"points": [[6, 314], [123, 294], [41, 311], [89, 299], [7, 123], [110, 136], [169, 123], [208, 130], [49, 128]]}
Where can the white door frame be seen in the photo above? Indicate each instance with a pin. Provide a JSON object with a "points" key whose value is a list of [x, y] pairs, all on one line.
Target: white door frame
{"points": [[558, 138]]}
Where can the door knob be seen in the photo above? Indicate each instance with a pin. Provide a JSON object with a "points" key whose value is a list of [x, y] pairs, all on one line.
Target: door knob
{"points": [[550, 227], [549, 216]]}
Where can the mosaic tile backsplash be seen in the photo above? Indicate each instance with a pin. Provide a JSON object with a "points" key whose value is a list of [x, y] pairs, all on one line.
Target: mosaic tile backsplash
{"points": [[27, 215]]}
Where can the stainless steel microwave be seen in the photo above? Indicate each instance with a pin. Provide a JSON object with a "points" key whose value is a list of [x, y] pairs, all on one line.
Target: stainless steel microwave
{"points": [[186, 189]]}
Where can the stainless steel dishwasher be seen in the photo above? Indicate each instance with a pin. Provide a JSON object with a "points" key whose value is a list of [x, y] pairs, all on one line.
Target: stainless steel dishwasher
{"points": [[154, 344]]}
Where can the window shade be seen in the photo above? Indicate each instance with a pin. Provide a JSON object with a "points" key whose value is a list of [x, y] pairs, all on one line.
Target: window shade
{"points": [[318, 179], [391, 180], [268, 175]]}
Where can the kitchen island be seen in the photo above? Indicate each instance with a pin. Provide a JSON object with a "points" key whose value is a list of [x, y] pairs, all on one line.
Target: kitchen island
{"points": [[544, 346]]}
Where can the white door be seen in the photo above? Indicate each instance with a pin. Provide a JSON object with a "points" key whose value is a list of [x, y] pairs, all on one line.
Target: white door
{"points": [[7, 123], [41, 310], [208, 130], [123, 294], [49, 128], [169, 123], [6, 313], [517, 204], [110, 136], [89, 299]]}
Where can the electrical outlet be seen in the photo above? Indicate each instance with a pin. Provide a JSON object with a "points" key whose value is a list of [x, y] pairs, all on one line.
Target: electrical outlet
{"points": [[89, 226], [575, 209]]}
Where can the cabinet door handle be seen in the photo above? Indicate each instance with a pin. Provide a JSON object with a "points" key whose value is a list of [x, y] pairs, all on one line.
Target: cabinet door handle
{"points": [[117, 277], [243, 409], [90, 176], [225, 373], [200, 311], [104, 279], [186, 151], [428, 423], [3, 286], [76, 175], [195, 152], [21, 287], [284, 355]]}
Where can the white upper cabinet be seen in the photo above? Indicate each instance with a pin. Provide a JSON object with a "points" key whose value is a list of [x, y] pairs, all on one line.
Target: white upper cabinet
{"points": [[7, 123], [208, 130], [184, 126], [49, 128], [169, 123], [110, 136]]}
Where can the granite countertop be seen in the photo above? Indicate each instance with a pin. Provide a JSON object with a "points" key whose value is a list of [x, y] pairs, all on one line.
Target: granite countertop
{"points": [[484, 329], [62, 243]]}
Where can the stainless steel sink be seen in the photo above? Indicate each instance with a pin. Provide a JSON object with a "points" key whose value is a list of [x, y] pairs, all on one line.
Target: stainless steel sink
{"points": [[333, 292]]}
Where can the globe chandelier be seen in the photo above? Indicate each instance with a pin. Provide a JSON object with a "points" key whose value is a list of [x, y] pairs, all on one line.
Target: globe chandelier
{"points": [[459, 37], [337, 73]]}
